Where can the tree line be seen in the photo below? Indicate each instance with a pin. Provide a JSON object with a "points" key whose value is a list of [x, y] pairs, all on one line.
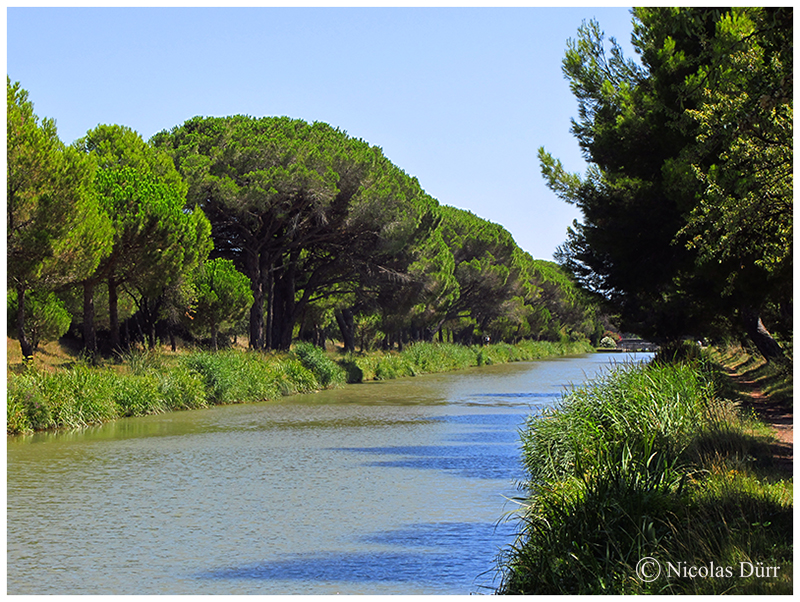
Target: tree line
{"points": [[688, 200], [270, 228]]}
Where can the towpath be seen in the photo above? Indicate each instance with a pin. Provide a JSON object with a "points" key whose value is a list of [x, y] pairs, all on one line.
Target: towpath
{"points": [[778, 417]]}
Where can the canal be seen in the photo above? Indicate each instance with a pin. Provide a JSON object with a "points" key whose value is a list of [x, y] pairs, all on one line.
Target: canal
{"points": [[392, 487]]}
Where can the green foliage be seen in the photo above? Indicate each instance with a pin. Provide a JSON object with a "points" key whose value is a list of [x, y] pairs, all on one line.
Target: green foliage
{"points": [[138, 395], [322, 226], [628, 406], [392, 365], [55, 232], [326, 371], [299, 194], [156, 242], [142, 361], [429, 358], [148, 382], [687, 203], [71, 398], [47, 316], [293, 377], [223, 297], [233, 377], [50, 208]]}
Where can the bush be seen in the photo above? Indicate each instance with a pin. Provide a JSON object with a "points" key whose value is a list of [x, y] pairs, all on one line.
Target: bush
{"points": [[46, 316]]}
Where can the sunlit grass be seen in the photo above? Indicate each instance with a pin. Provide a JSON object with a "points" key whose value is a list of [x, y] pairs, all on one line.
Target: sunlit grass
{"points": [[648, 461], [139, 382]]}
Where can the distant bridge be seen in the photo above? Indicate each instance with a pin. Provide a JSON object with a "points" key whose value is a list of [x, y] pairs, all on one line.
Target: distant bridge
{"points": [[636, 345]]}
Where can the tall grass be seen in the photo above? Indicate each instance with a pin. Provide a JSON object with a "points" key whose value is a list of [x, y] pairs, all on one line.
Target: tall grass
{"points": [[148, 382], [430, 358], [324, 369], [231, 376], [70, 398], [637, 464], [83, 395]]}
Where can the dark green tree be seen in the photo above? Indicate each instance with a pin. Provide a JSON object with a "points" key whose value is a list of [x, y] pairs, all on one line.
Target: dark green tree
{"points": [[296, 206], [55, 232], [223, 297], [486, 269], [46, 317], [679, 231], [157, 241]]}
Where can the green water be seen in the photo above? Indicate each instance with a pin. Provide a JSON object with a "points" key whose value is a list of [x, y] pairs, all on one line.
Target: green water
{"points": [[395, 487]]}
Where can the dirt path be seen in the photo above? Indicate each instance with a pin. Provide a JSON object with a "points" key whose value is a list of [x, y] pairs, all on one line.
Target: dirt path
{"points": [[780, 419]]}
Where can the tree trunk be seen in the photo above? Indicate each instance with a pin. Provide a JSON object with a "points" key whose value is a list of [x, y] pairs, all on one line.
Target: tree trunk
{"points": [[286, 322], [283, 308], [257, 309], [214, 336], [89, 335], [113, 312], [270, 309], [346, 322], [24, 343], [760, 336]]}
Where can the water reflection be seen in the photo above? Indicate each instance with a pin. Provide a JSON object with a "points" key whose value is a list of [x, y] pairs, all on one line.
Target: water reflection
{"points": [[469, 461], [434, 556]]}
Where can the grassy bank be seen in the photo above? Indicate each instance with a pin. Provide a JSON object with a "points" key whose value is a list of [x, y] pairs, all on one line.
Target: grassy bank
{"points": [[151, 382], [651, 462]]}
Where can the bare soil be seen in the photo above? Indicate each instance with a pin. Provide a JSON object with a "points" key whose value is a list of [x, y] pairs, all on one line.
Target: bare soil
{"points": [[776, 415]]}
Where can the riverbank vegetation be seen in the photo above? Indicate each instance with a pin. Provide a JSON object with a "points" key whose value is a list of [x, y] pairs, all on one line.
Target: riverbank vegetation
{"points": [[655, 462], [150, 381], [659, 478]]}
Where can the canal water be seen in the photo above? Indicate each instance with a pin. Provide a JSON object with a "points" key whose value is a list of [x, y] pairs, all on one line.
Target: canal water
{"points": [[394, 487]]}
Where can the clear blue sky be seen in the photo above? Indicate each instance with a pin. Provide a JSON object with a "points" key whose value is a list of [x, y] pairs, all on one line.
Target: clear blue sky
{"points": [[460, 98]]}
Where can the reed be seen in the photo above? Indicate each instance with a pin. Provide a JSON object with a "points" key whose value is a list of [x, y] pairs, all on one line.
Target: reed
{"points": [[146, 382], [232, 376], [430, 358], [646, 461], [324, 369], [70, 398]]}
